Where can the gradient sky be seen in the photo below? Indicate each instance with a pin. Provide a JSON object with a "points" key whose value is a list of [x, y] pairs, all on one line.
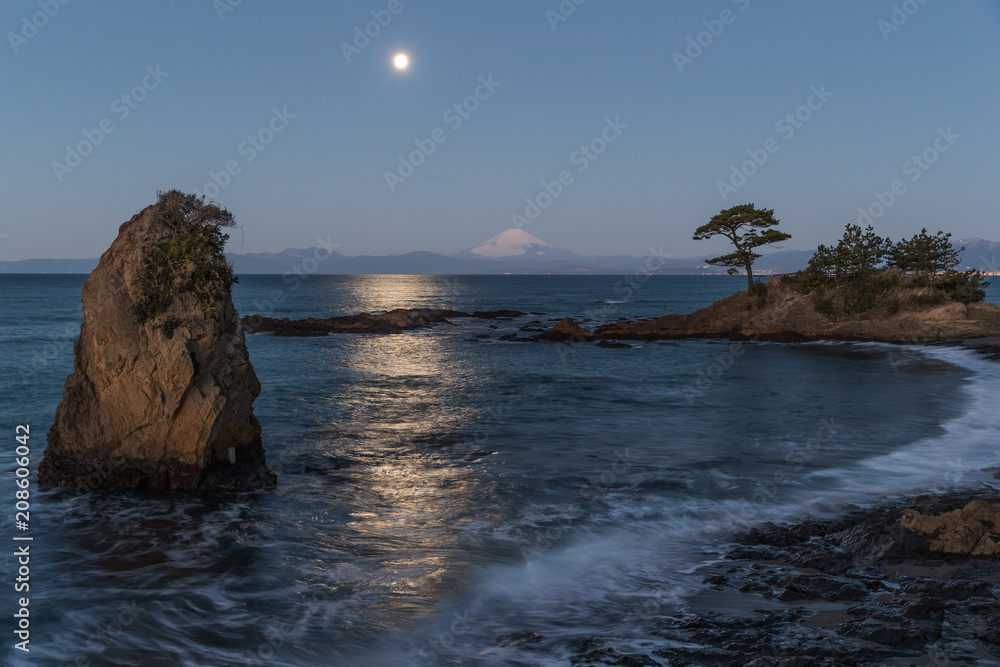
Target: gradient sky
{"points": [[323, 175]]}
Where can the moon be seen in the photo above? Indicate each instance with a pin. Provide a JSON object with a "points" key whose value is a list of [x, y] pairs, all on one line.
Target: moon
{"points": [[401, 61]]}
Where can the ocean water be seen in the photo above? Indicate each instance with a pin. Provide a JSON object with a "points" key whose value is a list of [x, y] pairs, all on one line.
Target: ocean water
{"points": [[445, 498]]}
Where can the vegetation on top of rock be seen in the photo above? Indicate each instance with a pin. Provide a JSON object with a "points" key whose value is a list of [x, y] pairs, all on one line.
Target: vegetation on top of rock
{"points": [[188, 258], [747, 227], [866, 274]]}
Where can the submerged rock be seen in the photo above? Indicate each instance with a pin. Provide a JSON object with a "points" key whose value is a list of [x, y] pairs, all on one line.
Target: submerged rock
{"points": [[162, 390]]}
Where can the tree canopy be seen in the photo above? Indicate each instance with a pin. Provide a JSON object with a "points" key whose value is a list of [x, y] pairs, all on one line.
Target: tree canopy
{"points": [[858, 251], [861, 251], [188, 258], [747, 227], [864, 271], [927, 254]]}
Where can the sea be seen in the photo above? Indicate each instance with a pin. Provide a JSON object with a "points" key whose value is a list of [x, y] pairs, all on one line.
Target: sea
{"points": [[448, 498]]}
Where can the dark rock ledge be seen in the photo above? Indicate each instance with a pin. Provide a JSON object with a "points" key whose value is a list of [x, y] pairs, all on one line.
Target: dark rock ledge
{"points": [[911, 583]]}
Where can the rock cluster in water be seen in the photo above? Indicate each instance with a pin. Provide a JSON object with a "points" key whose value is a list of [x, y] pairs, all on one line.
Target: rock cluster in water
{"points": [[150, 405], [393, 321]]}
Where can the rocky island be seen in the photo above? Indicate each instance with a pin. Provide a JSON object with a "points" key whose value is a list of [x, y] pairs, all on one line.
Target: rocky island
{"points": [[779, 311], [865, 288], [162, 390]]}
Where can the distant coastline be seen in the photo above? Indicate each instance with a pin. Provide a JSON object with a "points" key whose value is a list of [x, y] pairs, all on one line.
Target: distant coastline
{"points": [[979, 254]]}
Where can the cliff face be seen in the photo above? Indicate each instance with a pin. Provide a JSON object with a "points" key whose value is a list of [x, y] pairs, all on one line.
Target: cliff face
{"points": [[150, 406], [782, 314]]}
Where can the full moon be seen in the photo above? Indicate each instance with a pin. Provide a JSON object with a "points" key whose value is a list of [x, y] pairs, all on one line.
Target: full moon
{"points": [[401, 61]]}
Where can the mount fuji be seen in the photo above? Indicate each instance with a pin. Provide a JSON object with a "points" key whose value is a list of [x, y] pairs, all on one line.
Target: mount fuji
{"points": [[517, 244]]}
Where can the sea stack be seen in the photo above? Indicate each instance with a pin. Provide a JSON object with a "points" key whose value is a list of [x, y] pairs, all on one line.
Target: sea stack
{"points": [[162, 390]]}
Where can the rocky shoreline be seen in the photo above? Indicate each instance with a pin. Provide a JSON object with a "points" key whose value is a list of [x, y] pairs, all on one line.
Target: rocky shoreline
{"points": [[915, 582], [984, 340]]}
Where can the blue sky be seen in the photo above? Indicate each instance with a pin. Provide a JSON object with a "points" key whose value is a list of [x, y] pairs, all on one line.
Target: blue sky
{"points": [[224, 69]]}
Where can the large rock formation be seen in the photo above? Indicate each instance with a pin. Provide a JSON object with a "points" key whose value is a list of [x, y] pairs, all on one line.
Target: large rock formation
{"points": [[160, 404]]}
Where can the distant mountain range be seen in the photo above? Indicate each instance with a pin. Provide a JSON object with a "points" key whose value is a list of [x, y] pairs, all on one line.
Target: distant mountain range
{"points": [[513, 251]]}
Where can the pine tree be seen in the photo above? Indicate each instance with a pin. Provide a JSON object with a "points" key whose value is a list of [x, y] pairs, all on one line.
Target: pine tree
{"points": [[926, 254], [747, 228]]}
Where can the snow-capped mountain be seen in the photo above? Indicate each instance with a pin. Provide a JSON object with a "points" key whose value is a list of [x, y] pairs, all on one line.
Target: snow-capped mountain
{"points": [[513, 243]]}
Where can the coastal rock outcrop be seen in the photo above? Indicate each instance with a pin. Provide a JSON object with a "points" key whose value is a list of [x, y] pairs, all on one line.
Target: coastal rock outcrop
{"points": [[159, 399], [780, 313], [973, 530]]}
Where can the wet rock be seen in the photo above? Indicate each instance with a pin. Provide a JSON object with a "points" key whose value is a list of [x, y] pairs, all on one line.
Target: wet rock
{"points": [[931, 609], [972, 530], [567, 330], [607, 656], [861, 589], [896, 636], [613, 344]]}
